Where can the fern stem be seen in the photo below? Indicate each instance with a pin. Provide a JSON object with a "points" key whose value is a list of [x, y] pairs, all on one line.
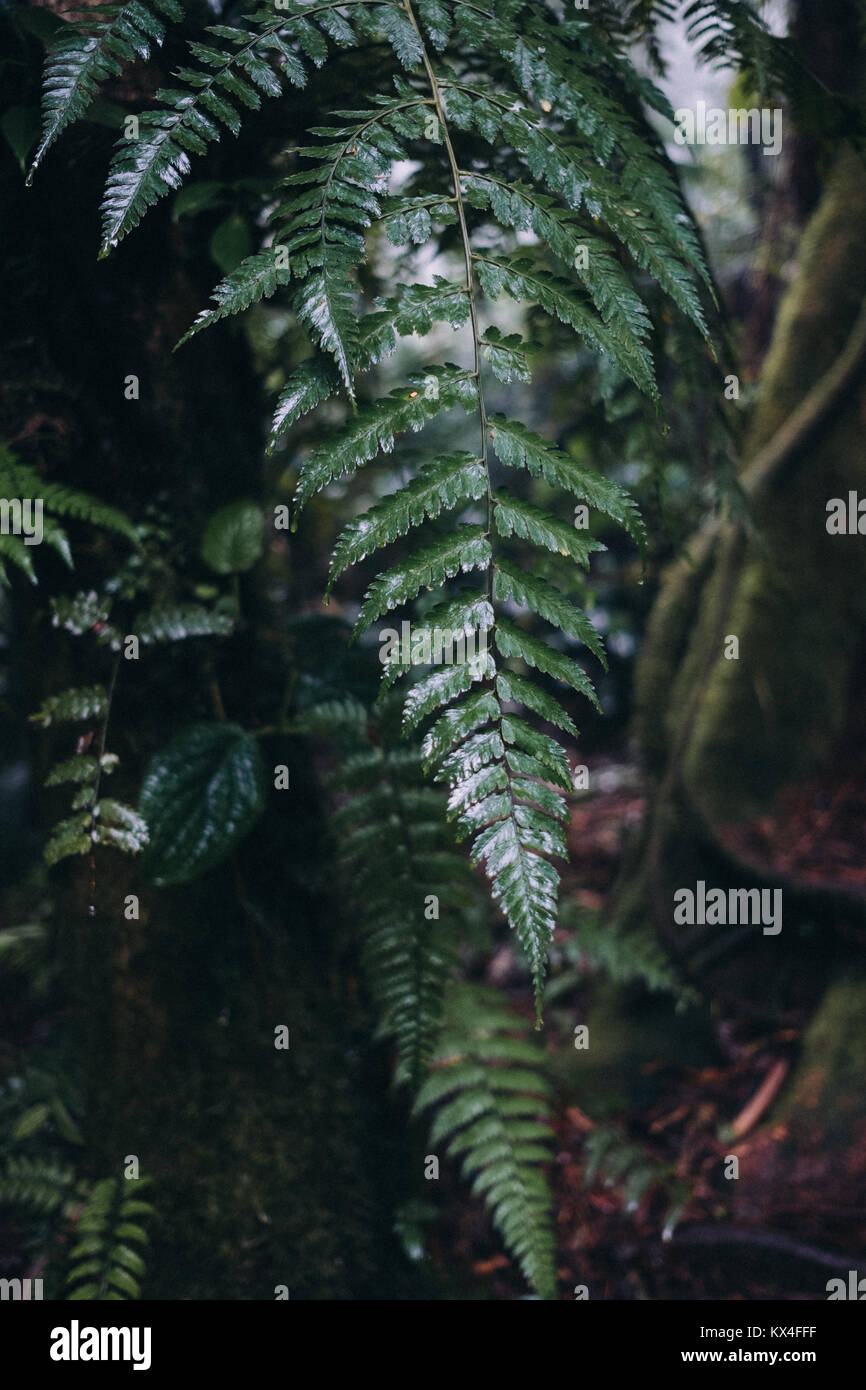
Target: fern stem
{"points": [[467, 254]]}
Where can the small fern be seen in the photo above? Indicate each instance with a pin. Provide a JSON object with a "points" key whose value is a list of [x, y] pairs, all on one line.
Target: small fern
{"points": [[593, 945], [492, 1115], [105, 1262], [621, 1163]]}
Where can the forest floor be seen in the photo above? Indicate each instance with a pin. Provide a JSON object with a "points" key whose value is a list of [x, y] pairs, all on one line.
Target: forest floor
{"points": [[672, 1105]]}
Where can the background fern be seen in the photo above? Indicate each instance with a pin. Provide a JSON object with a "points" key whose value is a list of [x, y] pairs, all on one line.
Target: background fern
{"points": [[407, 886], [95, 819], [21, 482], [492, 1115]]}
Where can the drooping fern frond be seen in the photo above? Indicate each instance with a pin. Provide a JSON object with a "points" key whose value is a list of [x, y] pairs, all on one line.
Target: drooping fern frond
{"points": [[236, 68], [105, 1262], [491, 1113], [88, 53], [500, 778], [518, 131]]}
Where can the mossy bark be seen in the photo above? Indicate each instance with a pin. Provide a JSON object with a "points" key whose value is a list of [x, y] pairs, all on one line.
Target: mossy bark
{"points": [[268, 1167], [723, 738]]}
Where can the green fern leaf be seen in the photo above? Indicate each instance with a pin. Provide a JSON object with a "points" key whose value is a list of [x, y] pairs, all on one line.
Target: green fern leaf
{"points": [[442, 559], [375, 427], [90, 52], [495, 1122], [401, 35], [257, 277], [71, 707], [511, 641], [514, 517], [457, 723], [531, 591], [520, 448], [524, 281], [437, 21], [438, 486], [144, 169]]}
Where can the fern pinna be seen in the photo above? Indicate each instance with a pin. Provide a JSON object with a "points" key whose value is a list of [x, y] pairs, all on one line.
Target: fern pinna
{"points": [[523, 136]]}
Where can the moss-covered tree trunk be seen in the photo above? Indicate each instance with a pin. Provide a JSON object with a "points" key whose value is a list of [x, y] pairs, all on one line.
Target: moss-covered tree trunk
{"points": [[751, 682], [268, 1167]]}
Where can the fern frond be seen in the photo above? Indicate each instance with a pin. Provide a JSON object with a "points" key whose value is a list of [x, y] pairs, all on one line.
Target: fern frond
{"points": [[19, 481], [621, 338], [521, 448], [247, 65], [438, 486], [105, 1262], [592, 945], [532, 592], [468, 549], [37, 1184], [90, 52], [493, 1116], [322, 225], [622, 1163], [256, 278], [547, 110], [177, 622], [71, 706]]}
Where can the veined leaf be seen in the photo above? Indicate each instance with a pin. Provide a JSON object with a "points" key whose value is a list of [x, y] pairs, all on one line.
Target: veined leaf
{"points": [[375, 427], [200, 797], [511, 641], [515, 517]]}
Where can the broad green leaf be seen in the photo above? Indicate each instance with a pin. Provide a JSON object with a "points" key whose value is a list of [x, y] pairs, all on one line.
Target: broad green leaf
{"points": [[233, 538], [201, 796]]}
